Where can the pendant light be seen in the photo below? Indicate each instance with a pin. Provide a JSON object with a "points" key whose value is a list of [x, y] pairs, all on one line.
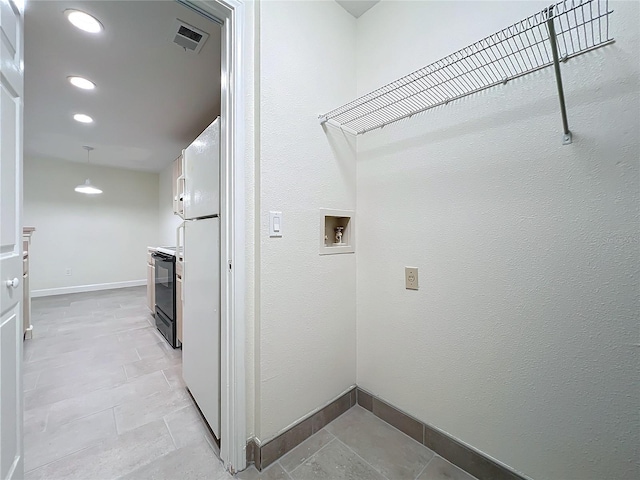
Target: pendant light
{"points": [[86, 187]]}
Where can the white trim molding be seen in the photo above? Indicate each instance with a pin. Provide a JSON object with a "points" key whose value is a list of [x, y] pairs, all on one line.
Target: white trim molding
{"points": [[233, 421], [46, 292]]}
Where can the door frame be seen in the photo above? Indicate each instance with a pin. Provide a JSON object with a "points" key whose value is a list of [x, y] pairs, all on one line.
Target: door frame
{"points": [[233, 412]]}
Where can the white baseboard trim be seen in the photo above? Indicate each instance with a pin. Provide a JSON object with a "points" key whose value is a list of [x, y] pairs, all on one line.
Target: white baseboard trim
{"points": [[46, 292]]}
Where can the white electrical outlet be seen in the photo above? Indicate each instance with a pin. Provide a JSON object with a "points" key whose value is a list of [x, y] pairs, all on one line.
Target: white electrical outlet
{"points": [[411, 278], [67, 271]]}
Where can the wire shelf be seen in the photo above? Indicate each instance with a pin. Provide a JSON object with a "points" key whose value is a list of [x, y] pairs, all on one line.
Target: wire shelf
{"points": [[522, 48]]}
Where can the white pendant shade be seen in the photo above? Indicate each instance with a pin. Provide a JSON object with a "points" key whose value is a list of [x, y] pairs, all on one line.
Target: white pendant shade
{"points": [[87, 188]]}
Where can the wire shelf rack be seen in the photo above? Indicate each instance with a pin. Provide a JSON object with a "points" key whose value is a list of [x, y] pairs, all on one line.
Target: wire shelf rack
{"points": [[555, 34]]}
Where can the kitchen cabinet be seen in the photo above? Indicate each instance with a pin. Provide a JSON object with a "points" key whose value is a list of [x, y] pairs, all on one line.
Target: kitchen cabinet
{"points": [[151, 281], [178, 186], [179, 299], [26, 289]]}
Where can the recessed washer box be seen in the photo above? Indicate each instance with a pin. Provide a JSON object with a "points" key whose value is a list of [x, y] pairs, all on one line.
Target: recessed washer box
{"points": [[337, 231]]}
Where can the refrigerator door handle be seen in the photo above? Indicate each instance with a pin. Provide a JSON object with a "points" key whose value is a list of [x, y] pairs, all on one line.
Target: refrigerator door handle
{"points": [[180, 248], [180, 194]]}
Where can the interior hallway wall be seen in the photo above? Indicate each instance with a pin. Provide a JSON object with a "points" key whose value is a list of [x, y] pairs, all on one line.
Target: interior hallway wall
{"points": [[305, 325], [101, 238], [523, 338]]}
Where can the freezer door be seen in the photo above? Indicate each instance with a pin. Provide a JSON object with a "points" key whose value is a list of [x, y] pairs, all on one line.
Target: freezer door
{"points": [[202, 174], [201, 316]]}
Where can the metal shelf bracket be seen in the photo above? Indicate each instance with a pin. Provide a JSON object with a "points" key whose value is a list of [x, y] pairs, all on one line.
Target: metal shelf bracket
{"points": [[566, 135]]}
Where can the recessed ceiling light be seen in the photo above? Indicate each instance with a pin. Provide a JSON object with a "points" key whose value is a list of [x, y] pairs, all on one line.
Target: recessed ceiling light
{"points": [[82, 83], [83, 21], [82, 118]]}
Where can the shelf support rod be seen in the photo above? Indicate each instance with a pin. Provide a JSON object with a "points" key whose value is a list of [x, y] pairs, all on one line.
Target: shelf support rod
{"points": [[566, 137]]}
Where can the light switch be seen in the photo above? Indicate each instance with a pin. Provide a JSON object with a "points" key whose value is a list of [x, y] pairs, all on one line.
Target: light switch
{"points": [[275, 224], [411, 278]]}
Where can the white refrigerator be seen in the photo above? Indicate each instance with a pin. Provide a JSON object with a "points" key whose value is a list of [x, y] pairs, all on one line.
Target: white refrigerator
{"points": [[201, 273]]}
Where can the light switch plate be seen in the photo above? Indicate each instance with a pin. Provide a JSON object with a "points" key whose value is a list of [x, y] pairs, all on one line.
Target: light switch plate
{"points": [[275, 224], [411, 278]]}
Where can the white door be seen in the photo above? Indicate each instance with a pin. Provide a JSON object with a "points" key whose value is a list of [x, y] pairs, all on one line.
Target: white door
{"points": [[201, 316], [11, 84]]}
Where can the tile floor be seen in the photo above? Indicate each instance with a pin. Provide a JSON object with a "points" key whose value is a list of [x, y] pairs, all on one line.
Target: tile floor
{"points": [[359, 446], [104, 399]]}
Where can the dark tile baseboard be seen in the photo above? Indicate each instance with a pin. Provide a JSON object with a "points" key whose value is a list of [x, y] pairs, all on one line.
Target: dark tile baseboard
{"points": [[264, 455], [252, 448], [469, 460]]}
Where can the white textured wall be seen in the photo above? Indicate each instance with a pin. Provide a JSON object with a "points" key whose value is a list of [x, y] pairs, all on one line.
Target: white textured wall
{"points": [[168, 220], [523, 338], [305, 326], [251, 217], [102, 238]]}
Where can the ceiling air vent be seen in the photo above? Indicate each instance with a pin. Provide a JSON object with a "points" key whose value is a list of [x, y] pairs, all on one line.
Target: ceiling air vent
{"points": [[188, 37]]}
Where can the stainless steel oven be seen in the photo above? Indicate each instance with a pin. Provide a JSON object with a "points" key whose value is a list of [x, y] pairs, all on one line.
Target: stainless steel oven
{"points": [[165, 285]]}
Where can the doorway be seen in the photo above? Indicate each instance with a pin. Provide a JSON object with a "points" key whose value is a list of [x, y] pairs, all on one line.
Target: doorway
{"points": [[232, 451]]}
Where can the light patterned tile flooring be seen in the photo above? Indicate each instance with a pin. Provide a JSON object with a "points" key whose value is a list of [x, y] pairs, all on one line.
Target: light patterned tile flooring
{"points": [[104, 399], [359, 446]]}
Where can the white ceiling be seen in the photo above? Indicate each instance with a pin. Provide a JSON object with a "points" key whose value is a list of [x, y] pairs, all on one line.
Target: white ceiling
{"points": [[357, 7], [152, 97]]}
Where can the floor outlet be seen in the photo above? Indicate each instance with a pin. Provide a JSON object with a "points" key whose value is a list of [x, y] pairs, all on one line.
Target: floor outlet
{"points": [[411, 278]]}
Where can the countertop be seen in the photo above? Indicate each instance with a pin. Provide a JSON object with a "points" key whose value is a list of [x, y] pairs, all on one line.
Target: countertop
{"points": [[166, 250]]}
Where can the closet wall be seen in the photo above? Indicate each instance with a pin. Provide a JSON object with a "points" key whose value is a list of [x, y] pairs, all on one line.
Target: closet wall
{"points": [[520, 341], [306, 303]]}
